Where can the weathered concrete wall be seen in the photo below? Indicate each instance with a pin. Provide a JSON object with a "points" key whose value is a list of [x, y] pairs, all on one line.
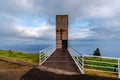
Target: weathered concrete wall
{"points": [[61, 30]]}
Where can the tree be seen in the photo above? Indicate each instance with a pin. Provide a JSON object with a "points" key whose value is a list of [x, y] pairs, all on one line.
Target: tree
{"points": [[97, 52]]}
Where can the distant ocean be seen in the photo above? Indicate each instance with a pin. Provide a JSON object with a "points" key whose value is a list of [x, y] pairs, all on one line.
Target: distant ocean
{"points": [[27, 48], [110, 48]]}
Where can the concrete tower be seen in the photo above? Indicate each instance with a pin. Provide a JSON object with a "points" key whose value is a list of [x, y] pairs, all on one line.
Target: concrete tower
{"points": [[61, 31]]}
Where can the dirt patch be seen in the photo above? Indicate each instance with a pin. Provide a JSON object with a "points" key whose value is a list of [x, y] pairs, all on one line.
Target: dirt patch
{"points": [[17, 62], [12, 71], [11, 75]]}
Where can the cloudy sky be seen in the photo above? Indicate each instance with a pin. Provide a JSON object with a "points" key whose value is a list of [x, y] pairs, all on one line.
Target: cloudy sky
{"points": [[33, 21]]}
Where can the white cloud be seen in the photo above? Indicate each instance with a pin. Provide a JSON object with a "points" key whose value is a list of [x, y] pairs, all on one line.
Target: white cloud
{"points": [[44, 30], [16, 7], [104, 16], [101, 12], [25, 3], [80, 33]]}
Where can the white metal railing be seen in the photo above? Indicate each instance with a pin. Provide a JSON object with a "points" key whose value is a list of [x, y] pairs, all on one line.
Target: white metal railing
{"points": [[118, 68], [78, 58], [95, 63], [102, 64], [45, 54], [86, 62]]}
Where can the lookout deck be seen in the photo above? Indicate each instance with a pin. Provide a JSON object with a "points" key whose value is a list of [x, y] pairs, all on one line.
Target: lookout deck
{"points": [[61, 59]]}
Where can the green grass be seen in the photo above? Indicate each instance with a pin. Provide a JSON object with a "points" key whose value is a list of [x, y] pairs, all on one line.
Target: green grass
{"points": [[19, 56], [109, 64], [91, 70]]}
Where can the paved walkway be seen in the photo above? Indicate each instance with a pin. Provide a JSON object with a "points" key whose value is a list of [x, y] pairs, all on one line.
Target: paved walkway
{"points": [[61, 59]]}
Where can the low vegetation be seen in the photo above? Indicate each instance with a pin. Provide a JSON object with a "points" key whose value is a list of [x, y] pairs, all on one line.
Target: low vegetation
{"points": [[11, 71], [101, 74], [97, 66], [97, 52], [100, 64], [20, 56]]}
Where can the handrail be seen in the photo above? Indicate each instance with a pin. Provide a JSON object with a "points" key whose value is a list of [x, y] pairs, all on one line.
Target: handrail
{"points": [[81, 59], [100, 65], [101, 57], [100, 62], [78, 58], [45, 54], [85, 62], [75, 50]]}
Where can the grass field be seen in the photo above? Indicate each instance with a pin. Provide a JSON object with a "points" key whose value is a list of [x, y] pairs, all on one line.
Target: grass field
{"points": [[97, 66], [102, 74], [19, 56], [104, 64]]}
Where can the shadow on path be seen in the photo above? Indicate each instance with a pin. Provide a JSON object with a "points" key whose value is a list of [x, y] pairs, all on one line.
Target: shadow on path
{"points": [[37, 74]]}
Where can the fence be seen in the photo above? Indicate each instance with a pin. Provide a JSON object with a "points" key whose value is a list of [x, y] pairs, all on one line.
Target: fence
{"points": [[78, 58], [45, 54], [119, 68], [95, 63], [87, 62], [102, 64]]}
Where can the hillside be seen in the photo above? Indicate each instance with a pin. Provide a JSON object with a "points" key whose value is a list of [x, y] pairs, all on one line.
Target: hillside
{"points": [[12, 69], [20, 56]]}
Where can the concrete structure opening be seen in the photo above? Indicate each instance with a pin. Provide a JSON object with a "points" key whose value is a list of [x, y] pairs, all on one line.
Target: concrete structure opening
{"points": [[64, 44]]}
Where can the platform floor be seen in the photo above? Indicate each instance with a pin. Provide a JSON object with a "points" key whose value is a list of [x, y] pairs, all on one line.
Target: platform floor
{"points": [[61, 59]]}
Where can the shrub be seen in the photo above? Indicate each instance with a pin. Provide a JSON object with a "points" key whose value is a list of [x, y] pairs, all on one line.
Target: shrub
{"points": [[97, 52]]}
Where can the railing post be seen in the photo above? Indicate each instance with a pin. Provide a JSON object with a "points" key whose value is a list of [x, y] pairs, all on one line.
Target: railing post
{"points": [[44, 54], [39, 58], [118, 68], [78, 59], [83, 62]]}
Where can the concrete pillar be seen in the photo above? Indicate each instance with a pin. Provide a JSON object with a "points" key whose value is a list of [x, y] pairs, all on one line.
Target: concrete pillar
{"points": [[61, 31]]}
